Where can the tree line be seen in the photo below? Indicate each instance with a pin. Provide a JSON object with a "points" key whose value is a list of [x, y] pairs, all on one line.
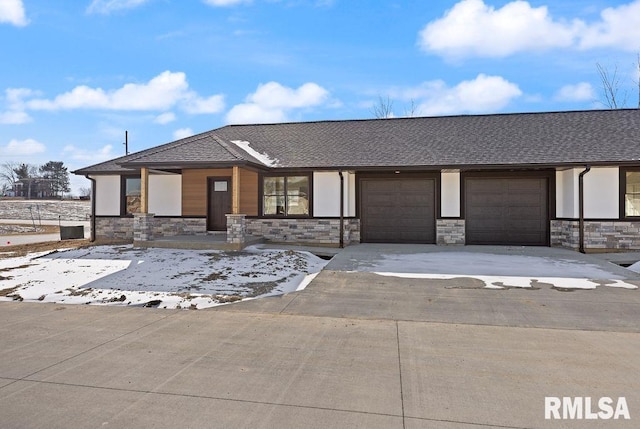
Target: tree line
{"points": [[50, 180]]}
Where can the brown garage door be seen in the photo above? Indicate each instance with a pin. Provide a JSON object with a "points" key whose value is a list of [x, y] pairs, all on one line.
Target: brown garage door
{"points": [[397, 210], [507, 211]]}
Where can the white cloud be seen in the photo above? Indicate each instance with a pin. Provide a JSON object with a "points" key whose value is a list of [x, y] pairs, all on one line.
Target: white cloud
{"points": [[23, 147], [105, 7], [197, 105], [12, 12], [223, 3], [182, 133], [15, 113], [165, 118], [582, 91], [472, 28], [163, 92], [88, 156], [619, 28], [272, 101], [484, 94], [248, 113], [14, 117]]}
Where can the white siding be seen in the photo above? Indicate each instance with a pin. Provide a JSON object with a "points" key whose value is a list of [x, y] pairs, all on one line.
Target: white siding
{"points": [[601, 193], [350, 195], [165, 194], [326, 194], [107, 195], [450, 194], [567, 193]]}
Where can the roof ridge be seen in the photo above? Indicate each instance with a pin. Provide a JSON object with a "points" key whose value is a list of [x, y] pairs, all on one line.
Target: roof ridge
{"points": [[227, 147], [416, 118]]}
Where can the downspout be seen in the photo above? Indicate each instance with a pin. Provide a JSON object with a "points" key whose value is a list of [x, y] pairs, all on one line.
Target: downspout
{"points": [[581, 206], [341, 209], [93, 208]]}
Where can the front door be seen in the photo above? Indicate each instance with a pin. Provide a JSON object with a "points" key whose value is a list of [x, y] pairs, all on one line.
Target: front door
{"points": [[219, 203]]}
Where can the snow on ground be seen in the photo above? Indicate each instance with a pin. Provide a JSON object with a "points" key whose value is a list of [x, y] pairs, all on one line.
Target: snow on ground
{"points": [[45, 209], [166, 278], [498, 271]]}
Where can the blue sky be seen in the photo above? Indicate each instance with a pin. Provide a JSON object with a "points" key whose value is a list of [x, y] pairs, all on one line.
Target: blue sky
{"points": [[75, 75]]}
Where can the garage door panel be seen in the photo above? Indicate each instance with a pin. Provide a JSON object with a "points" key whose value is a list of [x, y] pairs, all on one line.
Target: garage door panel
{"points": [[507, 211], [398, 210]]}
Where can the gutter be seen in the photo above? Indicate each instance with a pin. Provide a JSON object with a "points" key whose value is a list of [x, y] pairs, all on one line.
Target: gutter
{"points": [[93, 208], [581, 206], [341, 209]]}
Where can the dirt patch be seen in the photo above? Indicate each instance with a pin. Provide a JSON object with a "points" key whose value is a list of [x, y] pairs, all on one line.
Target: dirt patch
{"points": [[24, 249]]}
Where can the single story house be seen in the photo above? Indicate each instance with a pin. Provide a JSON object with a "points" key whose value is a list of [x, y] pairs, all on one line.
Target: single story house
{"points": [[569, 179]]}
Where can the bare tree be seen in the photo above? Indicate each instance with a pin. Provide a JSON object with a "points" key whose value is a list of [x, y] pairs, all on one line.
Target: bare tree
{"points": [[383, 109], [412, 110], [613, 96], [8, 175], [85, 192]]}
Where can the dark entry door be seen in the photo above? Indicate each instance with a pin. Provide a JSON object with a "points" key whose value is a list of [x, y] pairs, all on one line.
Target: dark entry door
{"points": [[219, 203], [507, 211], [397, 210]]}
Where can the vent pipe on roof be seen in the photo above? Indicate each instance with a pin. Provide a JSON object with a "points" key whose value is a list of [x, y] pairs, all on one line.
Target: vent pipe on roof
{"points": [[581, 206]]}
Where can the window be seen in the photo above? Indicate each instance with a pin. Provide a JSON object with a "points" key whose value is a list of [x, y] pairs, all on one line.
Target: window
{"points": [[130, 195], [285, 196], [631, 193]]}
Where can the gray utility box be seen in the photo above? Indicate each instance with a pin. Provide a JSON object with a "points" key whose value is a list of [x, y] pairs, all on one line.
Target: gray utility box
{"points": [[71, 232]]}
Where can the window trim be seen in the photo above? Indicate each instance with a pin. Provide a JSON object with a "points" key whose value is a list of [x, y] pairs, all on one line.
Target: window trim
{"points": [[263, 176], [623, 192], [123, 193]]}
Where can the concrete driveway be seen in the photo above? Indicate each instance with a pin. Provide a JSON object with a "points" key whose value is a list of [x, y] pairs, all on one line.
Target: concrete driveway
{"points": [[380, 281], [355, 349]]}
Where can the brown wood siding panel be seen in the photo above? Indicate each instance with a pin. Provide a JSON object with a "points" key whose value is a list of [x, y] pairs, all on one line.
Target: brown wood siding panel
{"points": [[507, 211], [194, 189], [249, 192], [398, 210]]}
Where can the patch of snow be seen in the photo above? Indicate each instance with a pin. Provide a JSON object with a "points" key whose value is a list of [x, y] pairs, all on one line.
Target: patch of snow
{"points": [[262, 157], [502, 282], [474, 264], [123, 275]]}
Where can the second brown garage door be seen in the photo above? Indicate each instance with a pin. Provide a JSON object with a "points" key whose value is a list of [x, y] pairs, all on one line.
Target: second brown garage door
{"points": [[397, 210], [507, 211]]}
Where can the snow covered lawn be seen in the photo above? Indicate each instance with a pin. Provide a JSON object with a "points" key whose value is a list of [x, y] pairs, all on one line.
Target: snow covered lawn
{"points": [[164, 278]]}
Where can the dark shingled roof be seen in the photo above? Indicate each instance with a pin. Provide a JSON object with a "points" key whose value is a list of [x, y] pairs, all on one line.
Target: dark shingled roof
{"points": [[556, 138]]}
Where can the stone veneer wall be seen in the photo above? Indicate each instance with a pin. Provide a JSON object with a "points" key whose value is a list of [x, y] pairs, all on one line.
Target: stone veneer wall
{"points": [[170, 226], [114, 228], [320, 231], [450, 231], [121, 228], [598, 235]]}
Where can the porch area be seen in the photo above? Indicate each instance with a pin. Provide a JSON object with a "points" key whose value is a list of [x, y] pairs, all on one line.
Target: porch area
{"points": [[211, 241]]}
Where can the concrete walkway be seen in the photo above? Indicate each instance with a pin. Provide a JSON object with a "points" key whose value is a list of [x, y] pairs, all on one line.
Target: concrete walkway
{"points": [[355, 349]]}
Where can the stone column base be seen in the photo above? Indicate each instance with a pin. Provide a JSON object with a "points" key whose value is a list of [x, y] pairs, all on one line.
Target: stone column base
{"points": [[143, 226], [236, 228]]}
